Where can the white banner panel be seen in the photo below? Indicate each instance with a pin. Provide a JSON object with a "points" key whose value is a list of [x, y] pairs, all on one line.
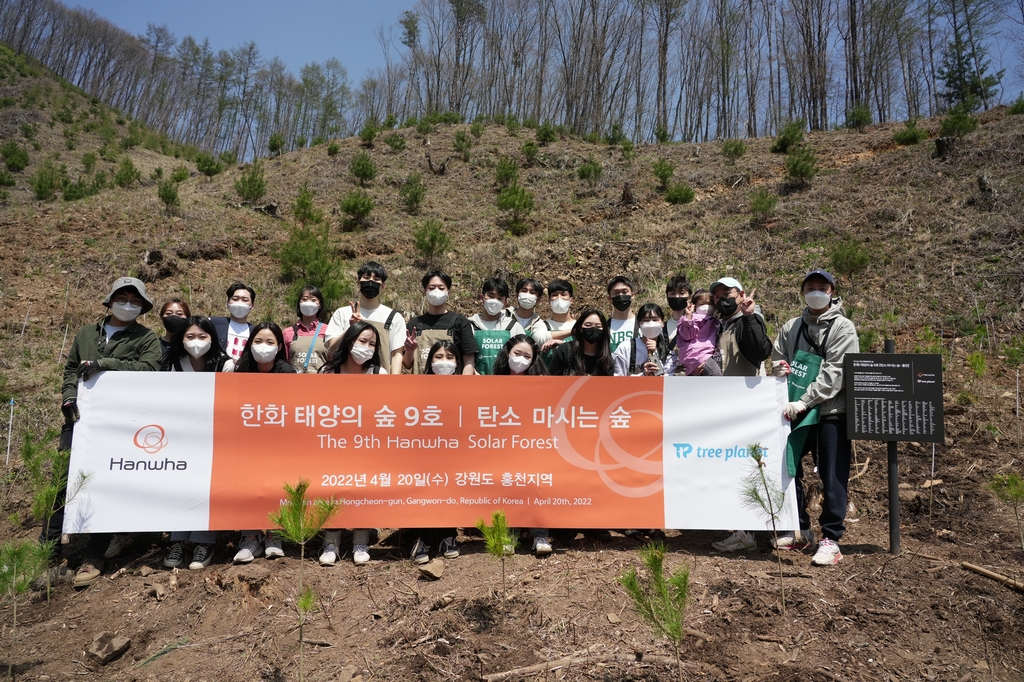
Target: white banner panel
{"points": [[709, 424], [145, 441]]}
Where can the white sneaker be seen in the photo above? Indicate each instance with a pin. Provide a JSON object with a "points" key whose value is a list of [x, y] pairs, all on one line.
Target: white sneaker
{"points": [[828, 553], [175, 555], [791, 540], [541, 546], [360, 555], [328, 554], [274, 549], [117, 544], [248, 549], [201, 557], [739, 541]]}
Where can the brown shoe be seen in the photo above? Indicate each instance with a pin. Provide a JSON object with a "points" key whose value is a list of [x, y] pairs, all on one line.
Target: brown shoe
{"points": [[88, 573]]}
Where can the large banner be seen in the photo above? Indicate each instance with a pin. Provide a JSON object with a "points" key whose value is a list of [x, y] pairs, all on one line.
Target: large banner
{"points": [[183, 451]]}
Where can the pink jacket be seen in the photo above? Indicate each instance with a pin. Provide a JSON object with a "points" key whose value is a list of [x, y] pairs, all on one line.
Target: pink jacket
{"points": [[696, 339]]}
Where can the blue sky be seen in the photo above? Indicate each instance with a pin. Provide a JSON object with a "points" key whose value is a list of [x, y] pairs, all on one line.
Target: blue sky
{"points": [[298, 32]]}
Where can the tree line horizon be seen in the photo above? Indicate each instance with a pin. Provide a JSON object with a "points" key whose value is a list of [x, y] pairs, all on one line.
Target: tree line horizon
{"points": [[647, 70]]}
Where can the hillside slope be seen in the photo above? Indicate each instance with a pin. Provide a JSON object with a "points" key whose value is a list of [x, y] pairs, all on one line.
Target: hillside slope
{"points": [[944, 274]]}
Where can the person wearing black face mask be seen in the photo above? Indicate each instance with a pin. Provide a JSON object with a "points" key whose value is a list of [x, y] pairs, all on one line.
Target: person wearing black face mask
{"points": [[588, 353], [743, 343], [678, 294], [174, 316], [622, 323], [372, 280]]}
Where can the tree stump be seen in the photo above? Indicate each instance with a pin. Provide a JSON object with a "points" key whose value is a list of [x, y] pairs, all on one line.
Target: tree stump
{"points": [[945, 147]]}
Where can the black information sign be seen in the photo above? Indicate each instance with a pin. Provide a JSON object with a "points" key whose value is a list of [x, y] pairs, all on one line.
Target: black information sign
{"points": [[894, 397]]}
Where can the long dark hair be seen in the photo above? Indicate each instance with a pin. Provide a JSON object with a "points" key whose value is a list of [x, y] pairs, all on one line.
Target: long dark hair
{"points": [[662, 343], [312, 290], [537, 366], [604, 367], [247, 363], [214, 358], [340, 355], [448, 346]]}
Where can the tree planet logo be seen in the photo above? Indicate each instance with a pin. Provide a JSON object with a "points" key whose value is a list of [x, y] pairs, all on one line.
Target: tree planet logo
{"points": [[151, 438]]}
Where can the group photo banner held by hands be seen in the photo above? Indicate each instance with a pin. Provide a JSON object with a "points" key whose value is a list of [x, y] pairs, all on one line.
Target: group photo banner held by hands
{"points": [[183, 451]]}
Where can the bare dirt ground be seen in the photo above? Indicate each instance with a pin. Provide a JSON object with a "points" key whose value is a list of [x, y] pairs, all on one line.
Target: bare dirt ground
{"points": [[945, 275]]}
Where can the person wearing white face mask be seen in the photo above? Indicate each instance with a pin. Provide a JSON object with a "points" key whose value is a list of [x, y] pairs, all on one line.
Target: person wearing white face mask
{"points": [[560, 324], [196, 350], [816, 343], [116, 343], [647, 353], [528, 293], [494, 325], [697, 337], [234, 331], [305, 345], [355, 353], [263, 354], [437, 324]]}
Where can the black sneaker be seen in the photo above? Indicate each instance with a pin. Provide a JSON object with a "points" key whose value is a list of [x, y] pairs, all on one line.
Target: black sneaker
{"points": [[201, 557], [449, 548], [175, 556]]}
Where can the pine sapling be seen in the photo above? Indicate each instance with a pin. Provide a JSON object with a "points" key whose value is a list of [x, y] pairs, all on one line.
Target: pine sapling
{"points": [[21, 561], [660, 599], [1010, 489], [299, 522], [499, 541], [764, 496]]}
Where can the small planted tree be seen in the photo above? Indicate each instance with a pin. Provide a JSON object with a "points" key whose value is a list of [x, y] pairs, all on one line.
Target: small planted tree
{"points": [[333, 148], [910, 133], [368, 133], [958, 122], [680, 194], [764, 496], [431, 241], [299, 522], [15, 157], [47, 179], [518, 202], [167, 191], [363, 168], [251, 185], [276, 144], [499, 541], [180, 174], [663, 170], [127, 174], [412, 192], [762, 205], [848, 258], [208, 165], [801, 165], [546, 134], [477, 129], [463, 144], [21, 562], [356, 206], [790, 136], [858, 118], [733, 150], [590, 171], [530, 150], [396, 141], [307, 258], [506, 172], [660, 598], [1010, 489]]}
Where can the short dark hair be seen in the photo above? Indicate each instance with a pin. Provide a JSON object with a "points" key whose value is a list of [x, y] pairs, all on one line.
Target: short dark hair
{"points": [[451, 348], [436, 273], [678, 282], [372, 268], [314, 291], [620, 279], [495, 284], [556, 286], [238, 285], [530, 282]]}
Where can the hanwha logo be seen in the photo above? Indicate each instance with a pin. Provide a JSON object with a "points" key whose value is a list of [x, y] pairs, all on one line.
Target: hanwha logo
{"points": [[151, 438]]}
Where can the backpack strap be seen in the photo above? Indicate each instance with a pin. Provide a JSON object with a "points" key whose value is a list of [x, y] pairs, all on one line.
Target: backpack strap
{"points": [[391, 317], [511, 323]]}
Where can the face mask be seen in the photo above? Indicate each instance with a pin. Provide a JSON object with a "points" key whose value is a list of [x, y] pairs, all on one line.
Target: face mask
{"points": [[816, 300], [517, 364], [622, 302], [361, 352], [437, 297], [308, 308], [678, 303], [369, 289], [493, 306], [651, 330], [197, 347], [727, 307], [264, 352], [591, 334], [443, 366], [560, 306], [704, 309], [174, 324], [527, 301], [239, 310], [126, 312]]}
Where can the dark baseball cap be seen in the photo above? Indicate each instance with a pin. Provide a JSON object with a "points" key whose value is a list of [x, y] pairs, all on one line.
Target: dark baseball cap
{"points": [[820, 273]]}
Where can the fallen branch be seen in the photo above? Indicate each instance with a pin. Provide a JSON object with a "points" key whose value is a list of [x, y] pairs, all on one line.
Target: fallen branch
{"points": [[575, 660], [863, 470], [1008, 582]]}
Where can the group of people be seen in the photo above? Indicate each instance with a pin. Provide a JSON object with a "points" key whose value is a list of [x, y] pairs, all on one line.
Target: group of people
{"points": [[718, 331]]}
